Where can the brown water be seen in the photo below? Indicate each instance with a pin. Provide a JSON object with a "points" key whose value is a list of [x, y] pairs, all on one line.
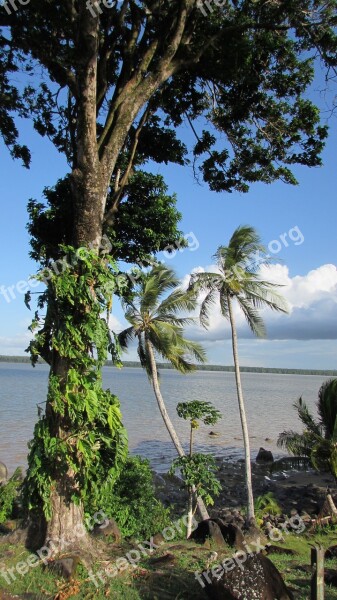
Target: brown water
{"points": [[268, 397]]}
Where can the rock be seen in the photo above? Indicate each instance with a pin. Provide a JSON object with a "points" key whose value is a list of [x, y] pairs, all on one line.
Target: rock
{"points": [[214, 433], [264, 456], [331, 552], [256, 578], [168, 558], [3, 473], [330, 577], [111, 529], [208, 530], [232, 534], [279, 550], [66, 567]]}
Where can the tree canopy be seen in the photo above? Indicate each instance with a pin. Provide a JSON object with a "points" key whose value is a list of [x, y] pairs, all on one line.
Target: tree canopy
{"points": [[245, 68]]}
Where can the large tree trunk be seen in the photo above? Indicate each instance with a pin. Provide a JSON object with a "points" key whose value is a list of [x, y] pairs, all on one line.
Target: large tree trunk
{"points": [[248, 471], [168, 423], [93, 166]]}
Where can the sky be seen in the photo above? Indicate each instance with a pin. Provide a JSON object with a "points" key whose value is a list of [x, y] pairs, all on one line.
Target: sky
{"points": [[296, 223]]}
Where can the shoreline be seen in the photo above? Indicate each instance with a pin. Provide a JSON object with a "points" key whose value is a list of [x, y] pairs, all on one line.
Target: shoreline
{"points": [[302, 491], [208, 368]]}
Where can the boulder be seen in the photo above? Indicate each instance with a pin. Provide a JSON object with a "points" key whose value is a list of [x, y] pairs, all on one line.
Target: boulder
{"points": [[3, 473], [331, 552], [208, 530], [254, 579], [220, 532], [330, 577], [232, 534], [264, 456]]}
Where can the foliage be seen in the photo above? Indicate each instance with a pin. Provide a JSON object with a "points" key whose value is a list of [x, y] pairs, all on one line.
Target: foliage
{"points": [[318, 441], [92, 442], [10, 103], [238, 279], [154, 317], [245, 67], [131, 501], [145, 222], [198, 411], [199, 470], [8, 494], [116, 84], [264, 505]]}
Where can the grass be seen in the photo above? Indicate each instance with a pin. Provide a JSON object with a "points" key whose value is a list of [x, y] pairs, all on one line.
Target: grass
{"points": [[295, 569], [167, 574]]}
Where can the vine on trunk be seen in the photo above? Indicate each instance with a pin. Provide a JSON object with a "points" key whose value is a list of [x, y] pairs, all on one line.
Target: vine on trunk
{"points": [[79, 438]]}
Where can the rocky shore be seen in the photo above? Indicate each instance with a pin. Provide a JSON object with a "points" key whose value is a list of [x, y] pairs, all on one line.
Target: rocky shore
{"points": [[298, 491]]}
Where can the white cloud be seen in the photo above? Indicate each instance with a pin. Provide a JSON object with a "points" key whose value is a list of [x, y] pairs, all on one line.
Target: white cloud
{"points": [[16, 345], [312, 300]]}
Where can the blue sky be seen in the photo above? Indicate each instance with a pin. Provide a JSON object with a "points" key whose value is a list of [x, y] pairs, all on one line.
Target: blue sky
{"points": [[297, 223]]}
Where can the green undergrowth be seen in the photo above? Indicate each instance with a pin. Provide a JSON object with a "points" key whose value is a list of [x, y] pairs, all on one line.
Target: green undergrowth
{"points": [[166, 574]]}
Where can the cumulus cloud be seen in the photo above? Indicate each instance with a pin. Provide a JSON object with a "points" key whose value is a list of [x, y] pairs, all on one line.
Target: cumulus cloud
{"points": [[312, 300]]}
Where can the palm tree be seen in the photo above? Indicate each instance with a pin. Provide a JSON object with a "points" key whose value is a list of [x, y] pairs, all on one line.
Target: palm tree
{"points": [[237, 280], [319, 439], [156, 324]]}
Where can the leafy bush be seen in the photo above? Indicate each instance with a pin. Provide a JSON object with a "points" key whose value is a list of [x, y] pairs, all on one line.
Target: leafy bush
{"points": [[8, 495], [264, 505], [131, 501]]}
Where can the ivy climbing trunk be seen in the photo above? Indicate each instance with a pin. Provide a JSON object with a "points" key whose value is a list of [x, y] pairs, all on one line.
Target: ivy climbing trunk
{"points": [[67, 342]]}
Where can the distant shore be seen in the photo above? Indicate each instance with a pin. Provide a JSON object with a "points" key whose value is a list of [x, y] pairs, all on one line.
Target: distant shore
{"points": [[228, 369]]}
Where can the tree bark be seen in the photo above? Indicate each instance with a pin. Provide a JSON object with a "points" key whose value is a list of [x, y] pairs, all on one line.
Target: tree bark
{"points": [[248, 471], [332, 505], [168, 423]]}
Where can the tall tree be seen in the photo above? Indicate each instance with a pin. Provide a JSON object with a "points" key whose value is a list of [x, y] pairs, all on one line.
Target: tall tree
{"points": [[116, 82], [158, 327], [238, 281]]}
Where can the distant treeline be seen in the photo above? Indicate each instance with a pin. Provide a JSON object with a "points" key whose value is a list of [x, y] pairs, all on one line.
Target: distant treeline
{"points": [[229, 369]]}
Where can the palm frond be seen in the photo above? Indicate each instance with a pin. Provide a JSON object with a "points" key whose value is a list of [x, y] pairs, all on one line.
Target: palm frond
{"points": [[144, 357], [178, 300], [203, 282], [224, 303], [262, 294], [327, 407], [125, 337], [306, 417], [154, 284], [252, 316], [208, 302], [244, 249], [295, 443]]}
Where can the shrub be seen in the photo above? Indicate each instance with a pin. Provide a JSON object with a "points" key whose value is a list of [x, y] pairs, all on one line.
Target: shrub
{"points": [[131, 501], [8, 494]]}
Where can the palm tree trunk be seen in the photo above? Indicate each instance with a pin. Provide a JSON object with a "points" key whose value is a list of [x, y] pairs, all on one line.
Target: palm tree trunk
{"points": [[168, 423], [332, 505], [248, 471], [189, 513]]}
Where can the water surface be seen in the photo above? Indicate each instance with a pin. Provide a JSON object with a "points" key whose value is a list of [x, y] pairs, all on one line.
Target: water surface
{"points": [[269, 399]]}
